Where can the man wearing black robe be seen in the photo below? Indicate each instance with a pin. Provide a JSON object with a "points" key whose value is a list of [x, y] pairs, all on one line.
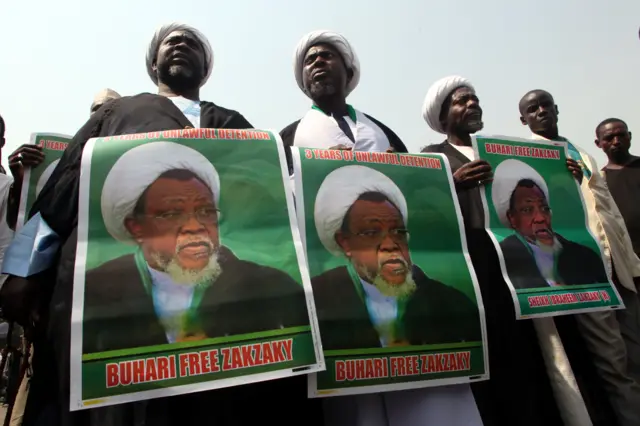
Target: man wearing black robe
{"points": [[179, 60], [452, 107]]}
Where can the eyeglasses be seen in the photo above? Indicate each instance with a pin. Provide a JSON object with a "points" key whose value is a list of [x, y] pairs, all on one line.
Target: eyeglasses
{"points": [[177, 219], [376, 236]]}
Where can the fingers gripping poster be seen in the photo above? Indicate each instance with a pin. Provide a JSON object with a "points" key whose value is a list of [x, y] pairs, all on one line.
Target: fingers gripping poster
{"points": [[52, 146], [190, 273], [535, 216], [395, 292]]}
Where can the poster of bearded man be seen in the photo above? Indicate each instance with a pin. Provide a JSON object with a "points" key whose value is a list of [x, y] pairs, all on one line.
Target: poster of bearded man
{"points": [[396, 295], [189, 273], [535, 216]]}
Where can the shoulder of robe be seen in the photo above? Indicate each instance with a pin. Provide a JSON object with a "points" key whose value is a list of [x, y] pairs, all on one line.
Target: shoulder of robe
{"points": [[288, 133], [434, 147], [394, 140], [224, 118]]}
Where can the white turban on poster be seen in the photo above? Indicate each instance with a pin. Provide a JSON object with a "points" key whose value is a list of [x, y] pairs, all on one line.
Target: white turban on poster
{"points": [[162, 33], [138, 168], [436, 95], [336, 40], [340, 189], [44, 177], [505, 180]]}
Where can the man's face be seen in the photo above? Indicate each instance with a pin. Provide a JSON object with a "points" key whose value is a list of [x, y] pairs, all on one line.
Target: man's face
{"points": [[464, 114], [539, 111], [181, 61], [531, 215], [324, 72], [377, 242], [178, 229], [614, 139]]}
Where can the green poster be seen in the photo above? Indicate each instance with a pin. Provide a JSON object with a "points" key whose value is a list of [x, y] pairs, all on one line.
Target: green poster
{"points": [[395, 293], [53, 146], [535, 215], [190, 273]]}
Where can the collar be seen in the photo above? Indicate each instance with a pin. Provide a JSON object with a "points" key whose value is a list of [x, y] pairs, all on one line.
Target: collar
{"points": [[542, 138], [350, 110]]}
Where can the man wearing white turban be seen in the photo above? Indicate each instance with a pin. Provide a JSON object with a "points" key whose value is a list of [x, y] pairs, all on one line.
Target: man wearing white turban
{"points": [[327, 70], [379, 298], [180, 60], [181, 283], [535, 256], [452, 107]]}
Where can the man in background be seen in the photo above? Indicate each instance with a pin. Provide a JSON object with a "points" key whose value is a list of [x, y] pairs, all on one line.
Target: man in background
{"points": [[602, 331], [103, 97]]}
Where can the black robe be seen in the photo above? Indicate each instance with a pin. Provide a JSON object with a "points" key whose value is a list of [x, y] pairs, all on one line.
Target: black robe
{"points": [[48, 402], [576, 264], [245, 298], [519, 391], [436, 313], [288, 135]]}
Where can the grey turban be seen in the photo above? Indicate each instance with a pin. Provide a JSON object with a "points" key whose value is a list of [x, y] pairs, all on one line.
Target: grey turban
{"points": [[333, 39], [340, 189], [436, 95], [103, 96], [138, 168], [505, 180], [162, 33]]}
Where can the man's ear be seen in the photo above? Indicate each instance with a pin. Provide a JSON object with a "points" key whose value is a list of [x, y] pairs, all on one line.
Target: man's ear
{"points": [[154, 67], [597, 142], [343, 243], [557, 110], [134, 228], [630, 137], [510, 219], [349, 75], [523, 121]]}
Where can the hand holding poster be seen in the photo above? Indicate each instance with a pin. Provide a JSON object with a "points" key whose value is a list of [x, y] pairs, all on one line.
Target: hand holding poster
{"points": [[395, 292], [535, 216], [189, 272], [53, 146]]}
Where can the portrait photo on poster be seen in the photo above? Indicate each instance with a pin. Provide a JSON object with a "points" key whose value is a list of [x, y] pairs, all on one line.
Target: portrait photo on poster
{"points": [[535, 215], [395, 292], [189, 271]]}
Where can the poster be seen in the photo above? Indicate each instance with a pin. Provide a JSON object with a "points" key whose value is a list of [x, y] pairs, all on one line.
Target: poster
{"points": [[535, 216], [396, 296], [53, 146], [190, 273]]}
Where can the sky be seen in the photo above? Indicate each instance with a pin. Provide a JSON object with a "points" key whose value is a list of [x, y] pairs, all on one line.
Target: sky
{"points": [[57, 55]]}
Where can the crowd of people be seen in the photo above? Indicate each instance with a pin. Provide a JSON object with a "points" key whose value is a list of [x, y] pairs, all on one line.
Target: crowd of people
{"points": [[578, 370]]}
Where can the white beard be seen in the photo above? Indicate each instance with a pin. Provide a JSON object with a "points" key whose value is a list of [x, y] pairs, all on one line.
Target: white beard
{"points": [[190, 277], [401, 290]]}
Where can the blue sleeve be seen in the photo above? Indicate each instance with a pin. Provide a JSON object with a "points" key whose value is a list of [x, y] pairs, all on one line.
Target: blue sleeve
{"points": [[32, 250]]}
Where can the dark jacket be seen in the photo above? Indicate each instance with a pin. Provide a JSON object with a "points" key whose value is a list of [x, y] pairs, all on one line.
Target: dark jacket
{"points": [[245, 298], [436, 313], [576, 264]]}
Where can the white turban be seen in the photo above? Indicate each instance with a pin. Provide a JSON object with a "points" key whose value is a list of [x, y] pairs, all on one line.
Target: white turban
{"points": [[339, 43], [162, 33], [436, 95], [505, 180], [340, 189], [138, 168], [46, 174]]}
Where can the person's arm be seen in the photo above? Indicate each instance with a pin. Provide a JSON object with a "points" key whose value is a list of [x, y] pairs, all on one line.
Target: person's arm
{"points": [[237, 121], [27, 155]]}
